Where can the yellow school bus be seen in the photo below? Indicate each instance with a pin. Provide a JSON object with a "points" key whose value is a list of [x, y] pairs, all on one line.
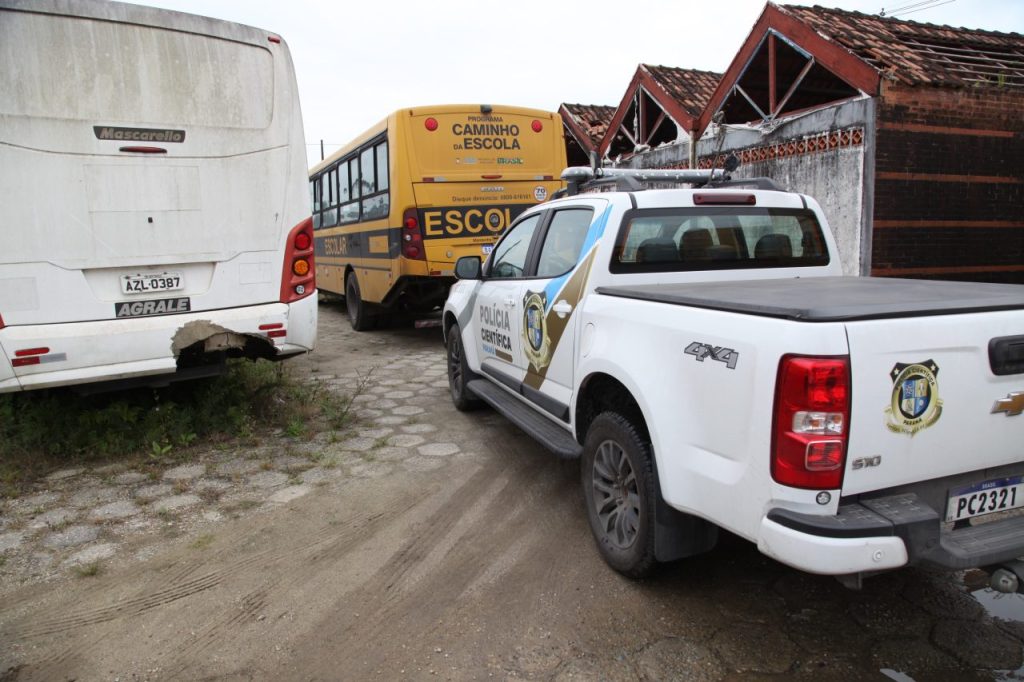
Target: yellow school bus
{"points": [[395, 208]]}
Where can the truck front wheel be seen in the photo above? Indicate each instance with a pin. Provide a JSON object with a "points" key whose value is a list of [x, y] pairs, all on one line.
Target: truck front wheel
{"points": [[618, 487], [459, 372]]}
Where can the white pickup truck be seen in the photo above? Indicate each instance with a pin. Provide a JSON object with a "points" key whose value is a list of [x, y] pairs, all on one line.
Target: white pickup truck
{"points": [[701, 353]]}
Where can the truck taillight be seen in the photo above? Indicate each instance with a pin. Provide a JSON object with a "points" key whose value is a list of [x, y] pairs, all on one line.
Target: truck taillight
{"points": [[412, 239], [811, 421], [298, 276], [1, 321]]}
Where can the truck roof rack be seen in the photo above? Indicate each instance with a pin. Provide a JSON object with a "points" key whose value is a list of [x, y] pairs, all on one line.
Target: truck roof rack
{"points": [[584, 178]]}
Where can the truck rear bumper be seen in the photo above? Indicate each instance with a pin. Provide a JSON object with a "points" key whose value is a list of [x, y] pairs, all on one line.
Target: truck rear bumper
{"points": [[829, 555], [864, 536]]}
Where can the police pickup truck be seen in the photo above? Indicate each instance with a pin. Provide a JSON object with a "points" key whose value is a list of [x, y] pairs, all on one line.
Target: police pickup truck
{"points": [[700, 352]]}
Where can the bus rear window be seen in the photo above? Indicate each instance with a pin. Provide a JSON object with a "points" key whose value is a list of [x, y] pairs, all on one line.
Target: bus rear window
{"points": [[718, 238], [111, 72]]}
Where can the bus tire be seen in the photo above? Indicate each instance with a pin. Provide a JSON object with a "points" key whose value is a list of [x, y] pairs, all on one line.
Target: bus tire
{"points": [[617, 475], [358, 315]]}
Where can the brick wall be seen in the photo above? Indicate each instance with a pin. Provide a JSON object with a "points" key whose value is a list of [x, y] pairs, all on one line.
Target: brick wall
{"points": [[949, 184]]}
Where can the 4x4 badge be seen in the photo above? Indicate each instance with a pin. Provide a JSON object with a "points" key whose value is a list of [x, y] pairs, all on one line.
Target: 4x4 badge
{"points": [[1012, 405], [915, 403]]}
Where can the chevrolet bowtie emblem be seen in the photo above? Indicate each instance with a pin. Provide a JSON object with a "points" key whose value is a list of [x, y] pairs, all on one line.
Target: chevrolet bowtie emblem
{"points": [[1012, 405]]}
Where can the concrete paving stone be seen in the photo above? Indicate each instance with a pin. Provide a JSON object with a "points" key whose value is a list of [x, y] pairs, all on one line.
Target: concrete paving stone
{"points": [[90, 497], [408, 410], [176, 502], [318, 475], [359, 444], [392, 382], [384, 404], [11, 540], [53, 518], [212, 516], [370, 414], [108, 469], [155, 490], [88, 555], [210, 484], [406, 440], [391, 454], [114, 510], [439, 449], [422, 464], [185, 472], [291, 463], [679, 659], [130, 478], [379, 390], [374, 433], [364, 398], [71, 537], [774, 654], [361, 469], [915, 657], [440, 384], [267, 479], [34, 502], [292, 492], [64, 473], [419, 428], [978, 645], [235, 467], [399, 395]]}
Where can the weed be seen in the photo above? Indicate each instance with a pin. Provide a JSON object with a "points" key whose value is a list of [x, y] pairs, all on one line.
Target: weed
{"points": [[380, 442], [88, 570], [210, 495], [294, 479], [203, 541], [3, 560], [165, 514], [266, 465], [180, 487], [152, 424], [295, 428]]}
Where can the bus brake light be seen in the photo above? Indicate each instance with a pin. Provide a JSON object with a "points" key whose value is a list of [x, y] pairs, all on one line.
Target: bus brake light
{"points": [[412, 239], [537, 126], [298, 278], [430, 124]]}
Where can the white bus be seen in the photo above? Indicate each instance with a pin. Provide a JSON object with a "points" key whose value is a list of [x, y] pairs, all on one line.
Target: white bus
{"points": [[154, 206]]}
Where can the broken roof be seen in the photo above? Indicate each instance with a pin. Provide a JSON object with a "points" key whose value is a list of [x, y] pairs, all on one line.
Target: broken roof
{"points": [[587, 122], [921, 54]]}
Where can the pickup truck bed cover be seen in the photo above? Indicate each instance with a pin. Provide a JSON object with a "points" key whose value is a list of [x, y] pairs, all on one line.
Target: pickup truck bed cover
{"points": [[832, 299]]}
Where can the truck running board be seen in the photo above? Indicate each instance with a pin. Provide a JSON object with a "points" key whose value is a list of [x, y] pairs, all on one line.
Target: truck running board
{"points": [[541, 429]]}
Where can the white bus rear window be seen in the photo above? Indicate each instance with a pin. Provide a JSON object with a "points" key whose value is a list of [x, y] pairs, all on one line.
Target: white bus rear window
{"points": [[83, 69]]}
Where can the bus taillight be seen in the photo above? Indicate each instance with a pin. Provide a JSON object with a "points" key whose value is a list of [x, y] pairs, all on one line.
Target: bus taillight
{"points": [[430, 124], [298, 278], [412, 240], [537, 126]]}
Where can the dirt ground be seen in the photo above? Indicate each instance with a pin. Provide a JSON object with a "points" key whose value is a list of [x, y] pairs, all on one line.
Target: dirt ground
{"points": [[430, 544]]}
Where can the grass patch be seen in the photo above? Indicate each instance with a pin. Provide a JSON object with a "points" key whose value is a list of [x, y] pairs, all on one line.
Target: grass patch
{"points": [[160, 426], [203, 541], [88, 570]]}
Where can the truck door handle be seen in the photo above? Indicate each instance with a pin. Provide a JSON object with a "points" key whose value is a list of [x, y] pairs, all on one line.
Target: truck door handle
{"points": [[563, 308], [510, 302]]}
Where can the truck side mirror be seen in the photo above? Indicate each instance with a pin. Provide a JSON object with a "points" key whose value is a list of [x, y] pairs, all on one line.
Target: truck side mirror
{"points": [[468, 267]]}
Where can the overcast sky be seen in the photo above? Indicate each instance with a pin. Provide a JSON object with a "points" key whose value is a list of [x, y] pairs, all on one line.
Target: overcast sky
{"points": [[358, 61]]}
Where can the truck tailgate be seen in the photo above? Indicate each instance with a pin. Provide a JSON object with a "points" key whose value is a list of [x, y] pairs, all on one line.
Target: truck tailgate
{"points": [[926, 401]]}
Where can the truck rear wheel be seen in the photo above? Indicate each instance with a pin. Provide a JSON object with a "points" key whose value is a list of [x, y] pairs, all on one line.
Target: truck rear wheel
{"points": [[458, 372], [618, 486], [358, 315]]}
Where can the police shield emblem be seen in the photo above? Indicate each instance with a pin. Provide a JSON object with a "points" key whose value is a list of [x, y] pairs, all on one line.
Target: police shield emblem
{"points": [[915, 401], [538, 344]]}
